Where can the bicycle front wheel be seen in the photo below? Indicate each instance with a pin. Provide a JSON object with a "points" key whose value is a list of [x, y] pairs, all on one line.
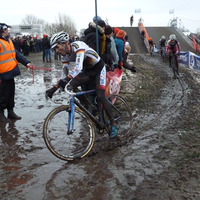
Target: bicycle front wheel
{"points": [[122, 115], [64, 144]]}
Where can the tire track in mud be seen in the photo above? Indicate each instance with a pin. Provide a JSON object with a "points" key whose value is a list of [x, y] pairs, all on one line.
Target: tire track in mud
{"points": [[172, 99], [165, 112]]}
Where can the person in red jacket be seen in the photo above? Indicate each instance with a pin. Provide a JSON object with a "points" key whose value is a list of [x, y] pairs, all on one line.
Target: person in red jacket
{"points": [[9, 58]]}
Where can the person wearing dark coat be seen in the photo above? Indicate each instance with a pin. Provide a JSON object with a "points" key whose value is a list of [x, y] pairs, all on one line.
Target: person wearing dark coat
{"points": [[9, 58], [90, 36], [107, 55]]}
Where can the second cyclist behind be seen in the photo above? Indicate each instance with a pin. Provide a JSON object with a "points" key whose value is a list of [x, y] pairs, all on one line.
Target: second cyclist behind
{"points": [[162, 43]]}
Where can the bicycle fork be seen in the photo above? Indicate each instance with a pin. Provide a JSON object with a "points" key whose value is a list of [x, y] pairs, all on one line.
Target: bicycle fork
{"points": [[71, 116]]}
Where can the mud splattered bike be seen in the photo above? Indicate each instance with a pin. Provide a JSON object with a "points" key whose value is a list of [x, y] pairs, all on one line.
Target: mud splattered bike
{"points": [[163, 53], [174, 64], [69, 130]]}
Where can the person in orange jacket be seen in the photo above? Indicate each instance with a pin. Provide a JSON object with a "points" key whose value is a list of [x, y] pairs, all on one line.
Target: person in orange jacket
{"points": [[9, 58]]}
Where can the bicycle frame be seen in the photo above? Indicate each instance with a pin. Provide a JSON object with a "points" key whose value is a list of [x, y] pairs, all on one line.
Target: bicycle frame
{"points": [[100, 123], [163, 53], [73, 102]]}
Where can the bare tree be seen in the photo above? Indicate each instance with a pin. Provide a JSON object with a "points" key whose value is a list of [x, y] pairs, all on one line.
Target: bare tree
{"points": [[32, 19], [63, 22]]}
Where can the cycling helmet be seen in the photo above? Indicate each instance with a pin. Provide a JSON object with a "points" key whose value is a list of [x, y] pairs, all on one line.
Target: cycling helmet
{"points": [[59, 37], [172, 37], [150, 38], [163, 37]]}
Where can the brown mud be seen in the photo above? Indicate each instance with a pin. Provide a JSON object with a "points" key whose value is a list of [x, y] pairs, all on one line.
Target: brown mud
{"points": [[160, 160]]}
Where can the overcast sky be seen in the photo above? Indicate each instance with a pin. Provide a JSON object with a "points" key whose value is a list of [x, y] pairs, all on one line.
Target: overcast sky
{"points": [[117, 12]]}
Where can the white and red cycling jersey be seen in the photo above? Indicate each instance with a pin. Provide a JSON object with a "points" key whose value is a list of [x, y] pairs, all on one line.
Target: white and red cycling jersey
{"points": [[84, 58], [173, 45]]}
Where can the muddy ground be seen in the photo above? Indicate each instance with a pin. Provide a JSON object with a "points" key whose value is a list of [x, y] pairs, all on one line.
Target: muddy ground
{"points": [[160, 160]]}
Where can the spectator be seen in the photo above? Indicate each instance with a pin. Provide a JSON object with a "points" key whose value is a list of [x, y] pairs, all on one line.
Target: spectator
{"points": [[9, 58], [127, 45], [26, 46], [120, 45], [46, 49], [106, 56], [90, 36]]}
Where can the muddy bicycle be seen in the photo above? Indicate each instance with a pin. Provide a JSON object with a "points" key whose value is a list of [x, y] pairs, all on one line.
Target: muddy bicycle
{"points": [[163, 53], [69, 130], [174, 64]]}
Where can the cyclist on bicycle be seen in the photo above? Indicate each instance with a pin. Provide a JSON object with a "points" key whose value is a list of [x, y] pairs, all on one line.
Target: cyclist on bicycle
{"points": [[173, 46], [88, 66], [162, 43], [151, 44]]}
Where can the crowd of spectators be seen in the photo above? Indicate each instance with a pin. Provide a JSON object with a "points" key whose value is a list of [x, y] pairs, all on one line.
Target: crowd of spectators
{"points": [[29, 44]]}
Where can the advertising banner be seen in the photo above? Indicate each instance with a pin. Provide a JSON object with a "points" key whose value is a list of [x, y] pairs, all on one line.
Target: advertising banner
{"points": [[194, 61], [184, 58], [190, 60]]}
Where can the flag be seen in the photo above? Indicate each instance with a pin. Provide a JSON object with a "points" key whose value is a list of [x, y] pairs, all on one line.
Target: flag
{"points": [[137, 10], [171, 11]]}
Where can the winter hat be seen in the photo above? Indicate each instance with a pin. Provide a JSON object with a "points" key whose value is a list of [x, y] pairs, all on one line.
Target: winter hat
{"points": [[115, 30], [3, 26], [121, 34], [94, 19], [108, 30], [101, 23]]}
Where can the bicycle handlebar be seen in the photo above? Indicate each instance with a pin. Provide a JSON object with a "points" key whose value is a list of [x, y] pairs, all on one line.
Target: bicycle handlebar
{"points": [[79, 92], [69, 92]]}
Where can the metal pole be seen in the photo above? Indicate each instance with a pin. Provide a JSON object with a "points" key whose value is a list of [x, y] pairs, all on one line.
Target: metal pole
{"points": [[97, 39]]}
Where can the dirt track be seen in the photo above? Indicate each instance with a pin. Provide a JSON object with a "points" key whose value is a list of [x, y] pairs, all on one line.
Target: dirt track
{"points": [[159, 161]]}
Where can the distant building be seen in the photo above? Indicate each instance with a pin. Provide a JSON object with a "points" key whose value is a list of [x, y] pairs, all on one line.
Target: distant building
{"points": [[21, 30]]}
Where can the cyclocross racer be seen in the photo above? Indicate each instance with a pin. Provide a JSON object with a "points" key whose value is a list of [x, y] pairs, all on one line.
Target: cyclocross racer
{"points": [[162, 43], [173, 46], [88, 66]]}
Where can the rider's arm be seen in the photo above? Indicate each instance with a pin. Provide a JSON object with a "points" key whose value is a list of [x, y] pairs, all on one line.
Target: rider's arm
{"points": [[78, 63], [76, 70]]}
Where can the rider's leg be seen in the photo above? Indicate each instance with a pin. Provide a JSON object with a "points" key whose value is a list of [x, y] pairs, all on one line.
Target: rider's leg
{"points": [[161, 51], [81, 79], [170, 58]]}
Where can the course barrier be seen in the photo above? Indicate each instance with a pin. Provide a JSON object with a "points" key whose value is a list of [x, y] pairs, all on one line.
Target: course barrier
{"points": [[142, 28], [190, 60], [195, 45]]}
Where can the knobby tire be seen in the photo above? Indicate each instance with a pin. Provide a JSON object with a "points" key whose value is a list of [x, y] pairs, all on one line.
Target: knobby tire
{"points": [[122, 114], [68, 146], [174, 66]]}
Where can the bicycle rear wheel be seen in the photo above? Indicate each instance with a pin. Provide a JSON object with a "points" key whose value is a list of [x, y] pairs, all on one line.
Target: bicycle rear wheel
{"points": [[122, 115], [174, 66], [64, 145]]}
